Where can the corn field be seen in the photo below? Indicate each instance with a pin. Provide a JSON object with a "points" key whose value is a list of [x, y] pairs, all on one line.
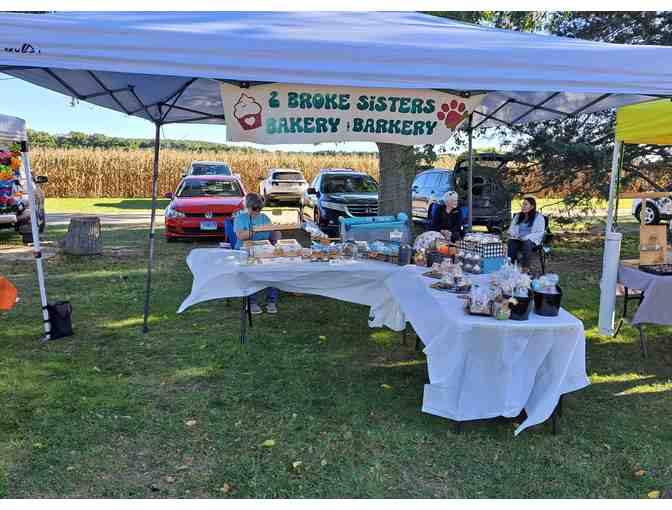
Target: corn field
{"points": [[127, 173]]}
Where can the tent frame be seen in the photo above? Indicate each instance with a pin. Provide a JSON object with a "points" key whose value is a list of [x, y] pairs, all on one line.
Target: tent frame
{"points": [[169, 103]]}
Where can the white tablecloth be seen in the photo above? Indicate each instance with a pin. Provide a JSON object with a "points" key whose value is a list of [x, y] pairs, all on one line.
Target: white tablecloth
{"points": [[482, 368], [358, 282], [655, 307]]}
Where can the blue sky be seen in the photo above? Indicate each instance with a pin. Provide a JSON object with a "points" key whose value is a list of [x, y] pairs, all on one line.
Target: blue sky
{"points": [[45, 110]]}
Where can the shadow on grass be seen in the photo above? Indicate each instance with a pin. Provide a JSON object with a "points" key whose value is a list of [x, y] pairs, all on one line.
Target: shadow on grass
{"points": [[134, 204]]}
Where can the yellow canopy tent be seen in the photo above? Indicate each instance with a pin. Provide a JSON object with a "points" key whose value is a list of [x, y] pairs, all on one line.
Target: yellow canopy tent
{"points": [[641, 123], [649, 123]]}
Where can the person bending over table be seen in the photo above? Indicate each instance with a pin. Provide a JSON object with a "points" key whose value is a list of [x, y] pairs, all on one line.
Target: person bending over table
{"points": [[448, 218], [525, 233], [243, 224]]}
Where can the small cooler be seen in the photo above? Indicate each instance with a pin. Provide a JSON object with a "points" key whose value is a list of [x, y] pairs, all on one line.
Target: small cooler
{"points": [[376, 228]]}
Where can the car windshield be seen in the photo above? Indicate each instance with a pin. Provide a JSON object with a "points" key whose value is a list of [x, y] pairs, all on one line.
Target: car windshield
{"points": [[203, 188], [349, 184], [205, 169], [287, 176]]}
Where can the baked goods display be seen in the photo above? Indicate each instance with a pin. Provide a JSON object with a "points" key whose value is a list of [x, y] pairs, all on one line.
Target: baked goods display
{"points": [[481, 253], [451, 277], [507, 294], [263, 252]]}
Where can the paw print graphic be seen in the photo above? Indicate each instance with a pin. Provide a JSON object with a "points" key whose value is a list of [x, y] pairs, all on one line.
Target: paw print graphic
{"points": [[452, 113]]}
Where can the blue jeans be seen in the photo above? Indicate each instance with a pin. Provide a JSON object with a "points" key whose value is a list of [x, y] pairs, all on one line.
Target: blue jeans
{"points": [[271, 296]]}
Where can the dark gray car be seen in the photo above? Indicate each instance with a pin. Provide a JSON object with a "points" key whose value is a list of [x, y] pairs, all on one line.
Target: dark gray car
{"points": [[491, 199]]}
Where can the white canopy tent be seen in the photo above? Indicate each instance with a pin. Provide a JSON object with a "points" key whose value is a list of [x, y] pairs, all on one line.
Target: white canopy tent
{"points": [[13, 130], [164, 67]]}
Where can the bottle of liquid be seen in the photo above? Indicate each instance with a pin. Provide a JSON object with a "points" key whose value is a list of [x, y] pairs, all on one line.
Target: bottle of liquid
{"points": [[405, 252]]}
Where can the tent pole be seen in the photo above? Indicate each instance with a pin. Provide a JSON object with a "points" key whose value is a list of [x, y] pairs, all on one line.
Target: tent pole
{"points": [[611, 255], [150, 261], [470, 130], [615, 160], [37, 250]]}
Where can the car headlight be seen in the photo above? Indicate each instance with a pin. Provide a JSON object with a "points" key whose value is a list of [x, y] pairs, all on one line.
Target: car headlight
{"points": [[334, 206], [174, 213]]}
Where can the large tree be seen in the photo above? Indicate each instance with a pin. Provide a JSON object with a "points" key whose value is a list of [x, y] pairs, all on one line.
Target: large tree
{"points": [[567, 157], [571, 157], [398, 164]]}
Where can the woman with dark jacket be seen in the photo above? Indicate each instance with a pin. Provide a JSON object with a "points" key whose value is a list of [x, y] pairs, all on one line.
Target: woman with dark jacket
{"points": [[448, 218]]}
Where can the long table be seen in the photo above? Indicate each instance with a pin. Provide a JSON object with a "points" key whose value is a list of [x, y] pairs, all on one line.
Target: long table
{"points": [[478, 367], [483, 368], [359, 282]]}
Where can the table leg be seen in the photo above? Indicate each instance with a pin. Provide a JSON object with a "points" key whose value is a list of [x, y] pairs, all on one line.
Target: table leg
{"points": [[555, 416], [642, 340], [243, 321]]}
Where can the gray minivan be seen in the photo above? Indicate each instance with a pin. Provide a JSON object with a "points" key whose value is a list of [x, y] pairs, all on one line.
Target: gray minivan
{"points": [[492, 200]]}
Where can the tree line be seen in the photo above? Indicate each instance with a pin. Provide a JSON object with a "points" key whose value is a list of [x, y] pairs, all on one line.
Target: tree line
{"points": [[77, 139]]}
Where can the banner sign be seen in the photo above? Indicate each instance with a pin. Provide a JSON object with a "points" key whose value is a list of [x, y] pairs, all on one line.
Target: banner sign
{"points": [[277, 114]]}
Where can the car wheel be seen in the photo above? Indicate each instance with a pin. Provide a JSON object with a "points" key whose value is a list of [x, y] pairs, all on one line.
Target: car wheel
{"points": [[651, 214]]}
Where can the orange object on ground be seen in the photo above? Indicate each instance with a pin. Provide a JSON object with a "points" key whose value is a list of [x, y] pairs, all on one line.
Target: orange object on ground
{"points": [[8, 295]]}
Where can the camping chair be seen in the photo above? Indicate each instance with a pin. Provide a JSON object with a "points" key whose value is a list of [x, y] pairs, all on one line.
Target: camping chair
{"points": [[232, 239], [631, 295], [544, 249]]}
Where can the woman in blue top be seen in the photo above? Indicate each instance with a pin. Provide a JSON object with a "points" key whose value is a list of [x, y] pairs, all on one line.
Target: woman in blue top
{"points": [[525, 233], [244, 223]]}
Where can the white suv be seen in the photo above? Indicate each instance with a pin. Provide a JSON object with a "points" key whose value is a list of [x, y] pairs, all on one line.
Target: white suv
{"points": [[656, 209], [283, 185]]}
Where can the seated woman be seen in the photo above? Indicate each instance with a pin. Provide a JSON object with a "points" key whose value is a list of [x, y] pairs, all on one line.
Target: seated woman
{"points": [[525, 233], [243, 224], [448, 218]]}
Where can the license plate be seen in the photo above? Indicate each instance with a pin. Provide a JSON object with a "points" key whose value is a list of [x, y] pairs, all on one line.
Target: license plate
{"points": [[208, 225]]}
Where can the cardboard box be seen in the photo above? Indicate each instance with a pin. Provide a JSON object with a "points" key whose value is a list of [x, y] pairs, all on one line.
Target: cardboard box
{"points": [[652, 244]]}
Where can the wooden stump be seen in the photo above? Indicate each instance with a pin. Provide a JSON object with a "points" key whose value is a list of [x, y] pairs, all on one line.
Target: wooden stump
{"points": [[83, 237]]}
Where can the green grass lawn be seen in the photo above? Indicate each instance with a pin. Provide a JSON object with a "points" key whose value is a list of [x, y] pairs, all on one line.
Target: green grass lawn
{"points": [[141, 205], [103, 205], [185, 410]]}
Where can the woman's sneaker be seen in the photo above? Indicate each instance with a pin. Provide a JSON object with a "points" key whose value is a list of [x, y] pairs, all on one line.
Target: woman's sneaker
{"points": [[255, 309], [271, 308]]}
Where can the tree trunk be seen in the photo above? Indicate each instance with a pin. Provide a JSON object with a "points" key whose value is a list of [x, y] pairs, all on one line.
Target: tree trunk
{"points": [[397, 171], [83, 237]]}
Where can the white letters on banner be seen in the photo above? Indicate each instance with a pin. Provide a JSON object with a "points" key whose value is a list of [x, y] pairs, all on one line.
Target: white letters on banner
{"points": [[276, 114]]}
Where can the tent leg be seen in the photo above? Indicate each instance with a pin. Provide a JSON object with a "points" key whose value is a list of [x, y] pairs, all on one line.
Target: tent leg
{"points": [[37, 250], [150, 260], [471, 173], [615, 160], [611, 255]]}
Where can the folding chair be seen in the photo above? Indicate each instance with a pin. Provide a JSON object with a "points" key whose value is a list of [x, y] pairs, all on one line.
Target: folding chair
{"points": [[544, 249], [631, 295]]}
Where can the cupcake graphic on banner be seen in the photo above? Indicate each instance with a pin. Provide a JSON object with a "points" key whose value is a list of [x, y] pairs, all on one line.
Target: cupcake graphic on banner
{"points": [[248, 112]]}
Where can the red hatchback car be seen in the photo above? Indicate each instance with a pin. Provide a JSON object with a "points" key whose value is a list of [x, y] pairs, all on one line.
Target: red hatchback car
{"points": [[201, 204]]}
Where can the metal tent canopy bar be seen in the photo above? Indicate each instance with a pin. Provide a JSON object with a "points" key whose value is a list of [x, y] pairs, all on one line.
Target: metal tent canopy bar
{"points": [[165, 67]]}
